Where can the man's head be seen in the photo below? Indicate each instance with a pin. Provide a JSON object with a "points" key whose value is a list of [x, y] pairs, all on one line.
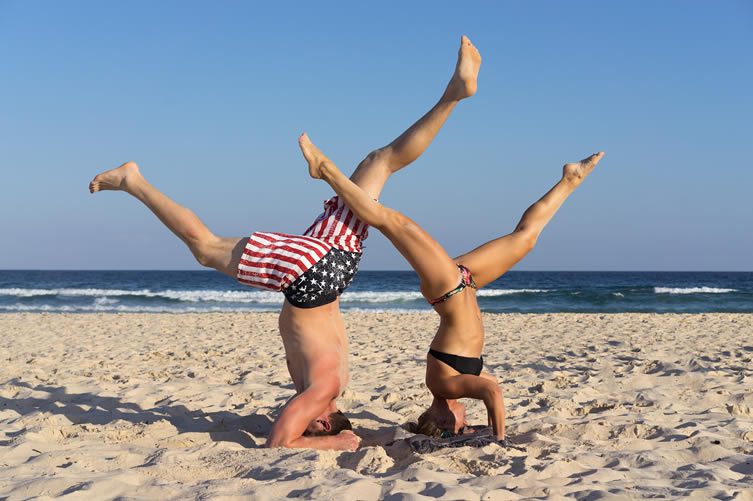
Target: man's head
{"points": [[330, 423], [443, 419]]}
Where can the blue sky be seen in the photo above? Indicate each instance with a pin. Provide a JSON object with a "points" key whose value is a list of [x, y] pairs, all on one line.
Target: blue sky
{"points": [[210, 97]]}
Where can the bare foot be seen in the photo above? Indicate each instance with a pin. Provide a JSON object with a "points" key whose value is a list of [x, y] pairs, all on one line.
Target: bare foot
{"points": [[347, 441], [115, 179], [464, 81], [575, 173], [315, 158]]}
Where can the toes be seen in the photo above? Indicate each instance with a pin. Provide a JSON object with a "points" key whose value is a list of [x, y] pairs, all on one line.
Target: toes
{"points": [[592, 160], [596, 156]]}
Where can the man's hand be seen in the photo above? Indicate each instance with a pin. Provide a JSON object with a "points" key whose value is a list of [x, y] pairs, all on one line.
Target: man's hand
{"points": [[347, 441]]}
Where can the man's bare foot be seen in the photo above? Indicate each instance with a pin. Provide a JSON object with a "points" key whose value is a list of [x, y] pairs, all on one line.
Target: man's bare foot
{"points": [[315, 158], [115, 179], [575, 173], [347, 441], [464, 81]]}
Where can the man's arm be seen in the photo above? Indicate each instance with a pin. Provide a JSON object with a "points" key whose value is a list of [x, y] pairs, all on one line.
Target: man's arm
{"points": [[479, 387], [299, 412]]}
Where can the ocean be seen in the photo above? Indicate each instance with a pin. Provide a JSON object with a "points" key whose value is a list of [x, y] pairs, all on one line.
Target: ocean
{"points": [[517, 291]]}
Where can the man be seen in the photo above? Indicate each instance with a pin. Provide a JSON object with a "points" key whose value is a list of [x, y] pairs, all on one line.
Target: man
{"points": [[311, 270]]}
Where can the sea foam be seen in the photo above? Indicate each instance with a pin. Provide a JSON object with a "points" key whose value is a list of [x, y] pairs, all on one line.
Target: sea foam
{"points": [[255, 297], [692, 290]]}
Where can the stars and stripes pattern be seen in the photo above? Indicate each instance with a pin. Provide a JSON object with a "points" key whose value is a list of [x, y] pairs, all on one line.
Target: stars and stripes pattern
{"points": [[339, 226], [275, 260], [323, 282]]}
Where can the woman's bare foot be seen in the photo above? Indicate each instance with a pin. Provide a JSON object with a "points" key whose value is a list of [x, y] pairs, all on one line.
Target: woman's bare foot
{"points": [[575, 173], [465, 79], [115, 179], [315, 158]]}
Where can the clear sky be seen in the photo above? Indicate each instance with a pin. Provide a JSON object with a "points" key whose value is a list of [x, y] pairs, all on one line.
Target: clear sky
{"points": [[209, 98]]}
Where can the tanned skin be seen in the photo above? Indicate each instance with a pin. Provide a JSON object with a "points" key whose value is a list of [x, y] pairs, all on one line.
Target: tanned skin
{"points": [[316, 345], [461, 330]]}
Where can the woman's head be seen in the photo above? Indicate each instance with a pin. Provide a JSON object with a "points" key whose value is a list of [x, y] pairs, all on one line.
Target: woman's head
{"points": [[443, 419]]}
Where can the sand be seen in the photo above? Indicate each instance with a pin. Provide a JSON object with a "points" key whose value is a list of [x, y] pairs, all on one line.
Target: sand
{"points": [[167, 406]]}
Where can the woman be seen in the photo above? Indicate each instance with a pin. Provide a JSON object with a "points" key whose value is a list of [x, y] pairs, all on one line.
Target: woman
{"points": [[454, 365]]}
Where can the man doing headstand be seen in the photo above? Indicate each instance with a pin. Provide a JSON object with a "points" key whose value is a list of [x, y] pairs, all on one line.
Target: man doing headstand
{"points": [[311, 270]]}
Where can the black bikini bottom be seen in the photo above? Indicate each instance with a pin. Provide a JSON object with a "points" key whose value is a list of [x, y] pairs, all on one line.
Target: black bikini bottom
{"points": [[464, 365]]}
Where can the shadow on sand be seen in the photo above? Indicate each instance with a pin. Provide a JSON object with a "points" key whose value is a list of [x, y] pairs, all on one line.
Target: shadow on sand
{"points": [[81, 408]]}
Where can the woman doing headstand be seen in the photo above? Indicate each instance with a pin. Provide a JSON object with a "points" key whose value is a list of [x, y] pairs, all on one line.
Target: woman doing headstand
{"points": [[454, 365]]}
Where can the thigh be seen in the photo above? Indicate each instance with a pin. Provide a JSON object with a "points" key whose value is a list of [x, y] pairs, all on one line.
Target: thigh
{"points": [[493, 259], [224, 253], [437, 272]]}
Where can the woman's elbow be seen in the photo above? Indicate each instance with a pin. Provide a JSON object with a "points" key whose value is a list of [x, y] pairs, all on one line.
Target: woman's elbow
{"points": [[492, 393]]}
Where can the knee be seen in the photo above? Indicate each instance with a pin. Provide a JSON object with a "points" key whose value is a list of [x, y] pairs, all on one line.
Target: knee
{"points": [[391, 219], [379, 158], [527, 238], [202, 251], [204, 259]]}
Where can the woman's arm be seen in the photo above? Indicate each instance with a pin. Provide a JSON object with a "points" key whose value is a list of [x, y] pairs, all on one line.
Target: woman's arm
{"points": [[478, 387]]}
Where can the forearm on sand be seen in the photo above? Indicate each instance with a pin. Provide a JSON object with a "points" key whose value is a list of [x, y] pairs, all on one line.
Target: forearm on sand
{"points": [[298, 413]]}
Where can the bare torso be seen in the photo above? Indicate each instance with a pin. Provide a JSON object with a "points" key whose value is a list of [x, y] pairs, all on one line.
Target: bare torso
{"points": [[461, 329], [316, 346]]}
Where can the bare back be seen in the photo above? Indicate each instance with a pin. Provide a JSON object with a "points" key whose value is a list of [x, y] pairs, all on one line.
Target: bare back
{"points": [[316, 346]]}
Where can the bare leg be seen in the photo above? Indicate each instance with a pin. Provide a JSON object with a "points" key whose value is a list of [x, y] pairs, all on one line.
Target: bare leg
{"points": [[373, 171], [493, 259], [436, 271], [210, 250]]}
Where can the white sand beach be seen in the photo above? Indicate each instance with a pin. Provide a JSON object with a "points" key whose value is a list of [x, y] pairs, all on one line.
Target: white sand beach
{"points": [[177, 406]]}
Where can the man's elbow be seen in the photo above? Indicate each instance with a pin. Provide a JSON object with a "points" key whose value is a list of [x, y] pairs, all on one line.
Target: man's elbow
{"points": [[280, 437], [275, 441]]}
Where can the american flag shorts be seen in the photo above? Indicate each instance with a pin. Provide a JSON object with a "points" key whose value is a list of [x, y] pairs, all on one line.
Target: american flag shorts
{"points": [[273, 261]]}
